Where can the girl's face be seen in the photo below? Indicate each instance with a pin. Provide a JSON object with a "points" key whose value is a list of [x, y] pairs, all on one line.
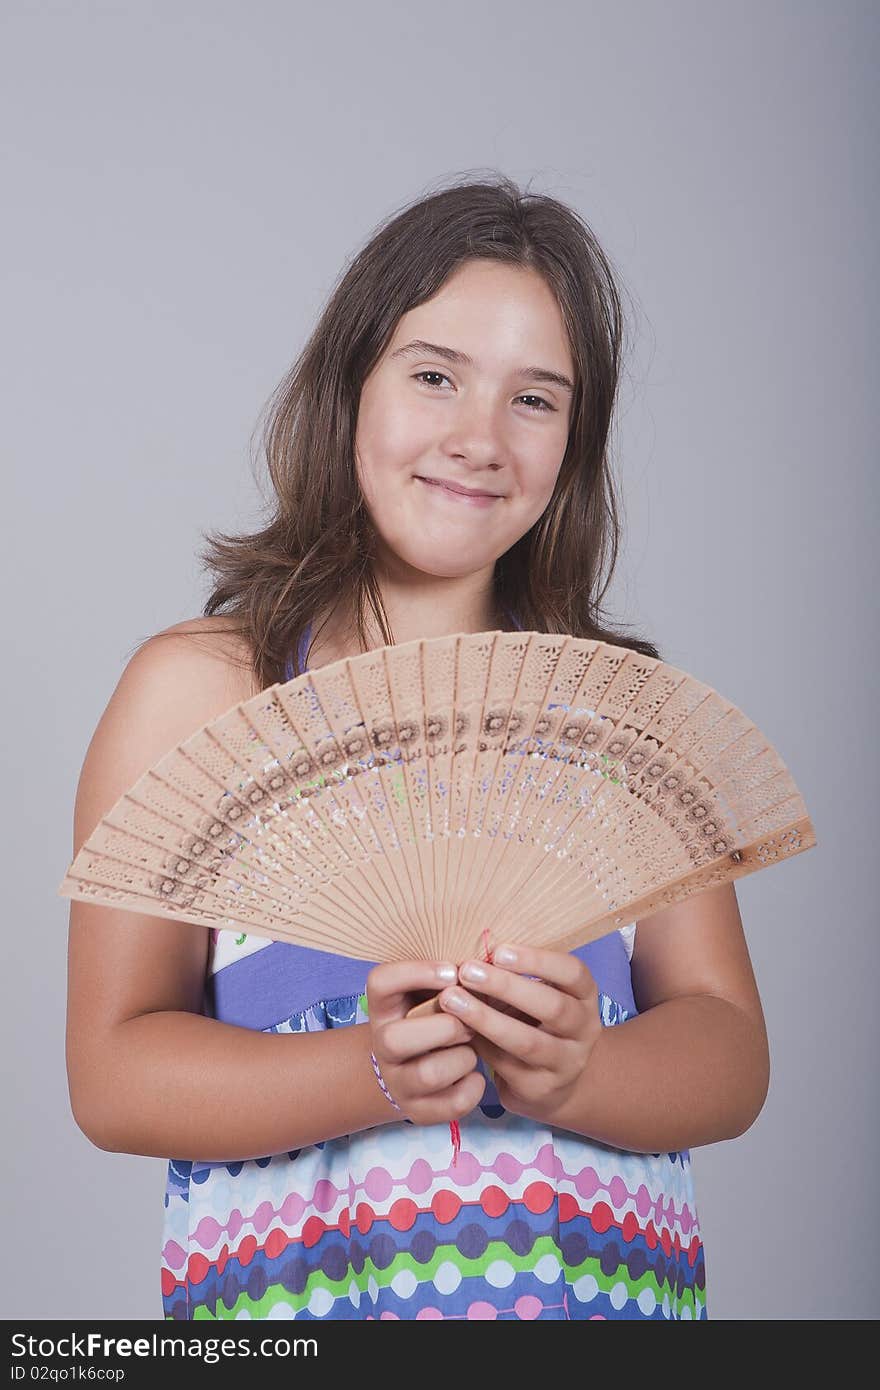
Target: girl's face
{"points": [[471, 404]]}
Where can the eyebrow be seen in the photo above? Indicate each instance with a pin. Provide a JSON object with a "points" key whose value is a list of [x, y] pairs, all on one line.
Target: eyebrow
{"points": [[418, 347]]}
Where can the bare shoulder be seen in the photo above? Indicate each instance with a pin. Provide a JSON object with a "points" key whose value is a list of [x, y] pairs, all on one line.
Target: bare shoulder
{"points": [[209, 650], [176, 681]]}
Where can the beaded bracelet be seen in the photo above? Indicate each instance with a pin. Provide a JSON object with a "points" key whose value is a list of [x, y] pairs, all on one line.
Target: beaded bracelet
{"points": [[385, 1091]]}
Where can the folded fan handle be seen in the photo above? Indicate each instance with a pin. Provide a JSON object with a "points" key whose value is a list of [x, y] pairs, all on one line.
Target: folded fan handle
{"points": [[432, 1005], [427, 1006]]}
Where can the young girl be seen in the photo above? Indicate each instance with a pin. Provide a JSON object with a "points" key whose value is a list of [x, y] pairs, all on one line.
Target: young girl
{"points": [[439, 457]]}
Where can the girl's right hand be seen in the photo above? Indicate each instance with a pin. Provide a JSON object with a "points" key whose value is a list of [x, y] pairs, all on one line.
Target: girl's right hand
{"points": [[425, 1062]]}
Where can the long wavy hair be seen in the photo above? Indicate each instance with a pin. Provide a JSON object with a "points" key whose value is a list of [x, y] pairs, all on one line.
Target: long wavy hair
{"points": [[319, 543]]}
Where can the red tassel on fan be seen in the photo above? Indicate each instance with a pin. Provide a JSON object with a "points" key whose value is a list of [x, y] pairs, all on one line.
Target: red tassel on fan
{"points": [[456, 1140]]}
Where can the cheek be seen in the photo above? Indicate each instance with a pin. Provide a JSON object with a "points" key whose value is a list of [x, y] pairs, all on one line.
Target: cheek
{"points": [[540, 474], [386, 454]]}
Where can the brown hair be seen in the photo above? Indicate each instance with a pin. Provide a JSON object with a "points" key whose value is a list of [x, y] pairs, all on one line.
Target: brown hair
{"points": [[319, 539]]}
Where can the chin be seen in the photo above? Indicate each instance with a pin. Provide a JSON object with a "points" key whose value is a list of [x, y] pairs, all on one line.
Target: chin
{"points": [[443, 569]]}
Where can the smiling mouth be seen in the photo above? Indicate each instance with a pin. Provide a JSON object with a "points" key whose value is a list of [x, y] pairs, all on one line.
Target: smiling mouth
{"points": [[482, 499]]}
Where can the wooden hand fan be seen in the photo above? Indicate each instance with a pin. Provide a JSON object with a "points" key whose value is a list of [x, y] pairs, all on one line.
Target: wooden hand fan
{"points": [[426, 800]]}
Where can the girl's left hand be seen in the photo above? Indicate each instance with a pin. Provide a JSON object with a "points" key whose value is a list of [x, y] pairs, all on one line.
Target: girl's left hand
{"points": [[537, 1065]]}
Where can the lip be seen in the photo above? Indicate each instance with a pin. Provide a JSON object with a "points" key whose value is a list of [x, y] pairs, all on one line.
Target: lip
{"points": [[460, 493]]}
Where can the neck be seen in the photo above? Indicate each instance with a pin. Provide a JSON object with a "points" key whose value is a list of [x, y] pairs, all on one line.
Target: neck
{"points": [[421, 611]]}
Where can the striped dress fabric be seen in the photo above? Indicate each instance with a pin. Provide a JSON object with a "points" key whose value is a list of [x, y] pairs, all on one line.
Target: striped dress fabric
{"points": [[531, 1222]]}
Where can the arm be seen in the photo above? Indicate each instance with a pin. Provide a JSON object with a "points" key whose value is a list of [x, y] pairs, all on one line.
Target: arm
{"points": [[692, 1068], [167, 1082], [147, 1072]]}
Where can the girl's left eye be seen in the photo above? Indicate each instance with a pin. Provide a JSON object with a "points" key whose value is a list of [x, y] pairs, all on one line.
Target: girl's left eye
{"points": [[541, 403]]}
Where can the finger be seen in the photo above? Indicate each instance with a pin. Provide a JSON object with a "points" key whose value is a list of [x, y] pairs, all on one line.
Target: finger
{"points": [[544, 1004], [390, 984], [436, 1070], [454, 1102], [501, 1065], [560, 968], [493, 1056], [404, 1038], [431, 1007], [530, 1045]]}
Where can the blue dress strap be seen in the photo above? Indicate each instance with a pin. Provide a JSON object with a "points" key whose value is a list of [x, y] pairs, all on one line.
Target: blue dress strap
{"points": [[513, 618], [303, 648]]}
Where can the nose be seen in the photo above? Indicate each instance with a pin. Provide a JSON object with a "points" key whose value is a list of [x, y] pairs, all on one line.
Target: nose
{"points": [[475, 432]]}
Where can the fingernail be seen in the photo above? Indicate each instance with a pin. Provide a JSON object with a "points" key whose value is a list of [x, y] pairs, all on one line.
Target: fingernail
{"points": [[456, 1001], [447, 972], [472, 971], [505, 955]]}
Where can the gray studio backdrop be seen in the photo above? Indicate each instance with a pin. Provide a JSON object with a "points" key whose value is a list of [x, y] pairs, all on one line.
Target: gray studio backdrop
{"points": [[182, 185]]}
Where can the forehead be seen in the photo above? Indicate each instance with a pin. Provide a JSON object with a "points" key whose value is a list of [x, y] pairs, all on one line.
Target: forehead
{"points": [[492, 312]]}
